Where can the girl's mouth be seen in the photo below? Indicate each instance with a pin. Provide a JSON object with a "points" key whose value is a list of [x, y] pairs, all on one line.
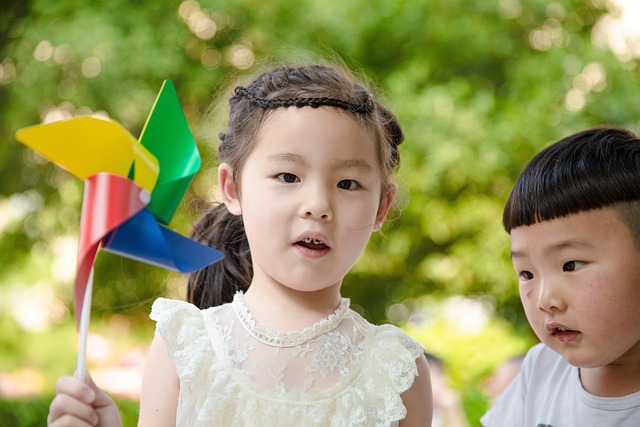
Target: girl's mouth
{"points": [[313, 244]]}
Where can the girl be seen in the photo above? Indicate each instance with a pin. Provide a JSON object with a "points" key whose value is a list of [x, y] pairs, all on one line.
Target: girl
{"points": [[305, 177]]}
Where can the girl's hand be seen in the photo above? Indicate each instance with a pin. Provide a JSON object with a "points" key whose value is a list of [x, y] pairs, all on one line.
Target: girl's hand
{"points": [[82, 404]]}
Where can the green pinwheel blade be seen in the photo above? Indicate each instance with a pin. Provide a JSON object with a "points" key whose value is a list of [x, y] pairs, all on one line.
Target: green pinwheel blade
{"points": [[167, 135]]}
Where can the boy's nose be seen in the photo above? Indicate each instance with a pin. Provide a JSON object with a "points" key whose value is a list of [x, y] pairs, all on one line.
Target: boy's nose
{"points": [[550, 296]]}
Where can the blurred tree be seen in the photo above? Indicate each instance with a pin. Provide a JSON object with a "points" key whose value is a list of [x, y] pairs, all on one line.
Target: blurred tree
{"points": [[479, 87]]}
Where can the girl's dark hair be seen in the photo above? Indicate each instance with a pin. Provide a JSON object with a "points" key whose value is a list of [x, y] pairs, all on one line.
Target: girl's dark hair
{"points": [[595, 168], [221, 230], [282, 87]]}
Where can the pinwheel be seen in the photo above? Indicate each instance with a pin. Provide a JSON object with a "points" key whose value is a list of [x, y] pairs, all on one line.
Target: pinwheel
{"points": [[131, 190]]}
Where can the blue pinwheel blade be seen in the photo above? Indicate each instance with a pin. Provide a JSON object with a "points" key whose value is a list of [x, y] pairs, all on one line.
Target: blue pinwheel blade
{"points": [[143, 239]]}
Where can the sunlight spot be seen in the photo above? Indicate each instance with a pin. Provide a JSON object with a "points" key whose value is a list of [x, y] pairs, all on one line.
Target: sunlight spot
{"points": [[7, 72], [43, 51], [510, 9], [91, 67], [199, 21], [575, 100], [619, 30], [63, 54], [546, 36], [210, 58], [56, 114], [240, 56], [35, 308], [468, 315], [64, 251], [14, 208]]}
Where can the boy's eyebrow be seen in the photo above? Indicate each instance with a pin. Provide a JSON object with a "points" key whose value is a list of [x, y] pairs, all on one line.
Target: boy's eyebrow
{"points": [[556, 247]]}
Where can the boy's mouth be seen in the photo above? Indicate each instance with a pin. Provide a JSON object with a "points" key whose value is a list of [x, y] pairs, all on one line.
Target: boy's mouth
{"points": [[561, 332]]}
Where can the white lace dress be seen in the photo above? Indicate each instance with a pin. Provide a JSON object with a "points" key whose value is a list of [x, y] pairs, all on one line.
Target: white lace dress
{"points": [[342, 371]]}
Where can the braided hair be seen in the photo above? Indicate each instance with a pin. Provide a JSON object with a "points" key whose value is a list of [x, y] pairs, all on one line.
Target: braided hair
{"points": [[282, 87]]}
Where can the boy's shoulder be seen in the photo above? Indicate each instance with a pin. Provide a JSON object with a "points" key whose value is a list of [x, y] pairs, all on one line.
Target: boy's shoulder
{"points": [[548, 392], [542, 364]]}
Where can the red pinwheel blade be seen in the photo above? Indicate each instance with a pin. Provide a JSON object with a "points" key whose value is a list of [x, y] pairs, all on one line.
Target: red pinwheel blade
{"points": [[109, 200]]}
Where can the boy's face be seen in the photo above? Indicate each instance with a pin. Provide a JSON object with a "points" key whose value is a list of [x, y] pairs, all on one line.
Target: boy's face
{"points": [[579, 279]]}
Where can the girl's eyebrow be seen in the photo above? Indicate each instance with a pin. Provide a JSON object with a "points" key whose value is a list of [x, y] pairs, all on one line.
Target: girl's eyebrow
{"points": [[358, 164], [287, 157]]}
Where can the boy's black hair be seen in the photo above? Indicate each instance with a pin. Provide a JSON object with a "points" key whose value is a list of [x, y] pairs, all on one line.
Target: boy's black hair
{"points": [[595, 168]]}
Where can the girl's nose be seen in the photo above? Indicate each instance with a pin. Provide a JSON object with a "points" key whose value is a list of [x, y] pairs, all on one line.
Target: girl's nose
{"points": [[316, 203]]}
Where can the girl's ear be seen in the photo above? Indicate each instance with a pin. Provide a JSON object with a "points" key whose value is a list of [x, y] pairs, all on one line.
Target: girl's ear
{"points": [[228, 189], [385, 205]]}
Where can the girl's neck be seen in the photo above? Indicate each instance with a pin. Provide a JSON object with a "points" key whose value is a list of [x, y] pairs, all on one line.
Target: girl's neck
{"points": [[279, 308]]}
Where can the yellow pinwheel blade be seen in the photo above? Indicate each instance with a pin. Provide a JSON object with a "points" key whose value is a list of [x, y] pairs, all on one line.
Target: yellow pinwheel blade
{"points": [[85, 146]]}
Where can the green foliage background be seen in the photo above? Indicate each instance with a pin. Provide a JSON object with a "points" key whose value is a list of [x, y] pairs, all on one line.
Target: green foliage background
{"points": [[478, 86]]}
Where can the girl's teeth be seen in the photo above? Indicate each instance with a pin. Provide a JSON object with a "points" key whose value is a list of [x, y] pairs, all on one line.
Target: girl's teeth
{"points": [[314, 241]]}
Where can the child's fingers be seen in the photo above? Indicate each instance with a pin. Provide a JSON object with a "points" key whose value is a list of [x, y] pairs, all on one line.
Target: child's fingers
{"points": [[72, 405], [68, 421], [100, 398], [76, 388]]}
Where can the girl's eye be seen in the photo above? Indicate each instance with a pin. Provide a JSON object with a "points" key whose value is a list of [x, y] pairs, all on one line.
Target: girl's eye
{"points": [[525, 275], [287, 177], [572, 265], [348, 184]]}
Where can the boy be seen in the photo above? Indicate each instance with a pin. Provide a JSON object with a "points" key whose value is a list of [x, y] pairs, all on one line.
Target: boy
{"points": [[574, 220]]}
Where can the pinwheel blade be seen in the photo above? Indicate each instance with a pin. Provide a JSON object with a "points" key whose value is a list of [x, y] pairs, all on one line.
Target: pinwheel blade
{"points": [[143, 239], [167, 135], [84, 146], [109, 201]]}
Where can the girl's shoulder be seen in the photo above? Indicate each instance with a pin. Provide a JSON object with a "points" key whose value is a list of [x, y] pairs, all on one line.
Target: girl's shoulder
{"points": [[172, 310], [391, 352], [185, 330], [386, 335]]}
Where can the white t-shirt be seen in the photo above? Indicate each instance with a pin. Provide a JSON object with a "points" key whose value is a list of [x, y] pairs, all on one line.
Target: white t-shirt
{"points": [[548, 393]]}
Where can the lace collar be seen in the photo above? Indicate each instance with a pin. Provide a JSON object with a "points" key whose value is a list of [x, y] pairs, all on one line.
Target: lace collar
{"points": [[287, 339]]}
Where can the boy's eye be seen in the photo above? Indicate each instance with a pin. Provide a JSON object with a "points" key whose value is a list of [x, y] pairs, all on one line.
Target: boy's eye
{"points": [[572, 265], [525, 275], [287, 177], [348, 184]]}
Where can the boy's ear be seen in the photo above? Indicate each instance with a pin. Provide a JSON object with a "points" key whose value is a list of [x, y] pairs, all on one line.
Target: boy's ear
{"points": [[385, 205], [228, 190]]}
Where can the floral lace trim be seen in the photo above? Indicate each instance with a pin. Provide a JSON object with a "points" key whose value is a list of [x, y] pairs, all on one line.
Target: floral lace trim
{"points": [[287, 339]]}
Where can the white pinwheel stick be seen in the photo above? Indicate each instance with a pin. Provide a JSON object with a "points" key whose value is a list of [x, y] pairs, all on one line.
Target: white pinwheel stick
{"points": [[84, 329]]}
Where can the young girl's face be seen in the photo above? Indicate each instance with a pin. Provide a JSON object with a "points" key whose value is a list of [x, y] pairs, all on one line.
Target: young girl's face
{"points": [[310, 197], [579, 281]]}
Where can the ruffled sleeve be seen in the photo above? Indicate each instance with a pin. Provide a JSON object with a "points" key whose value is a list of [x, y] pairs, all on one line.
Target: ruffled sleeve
{"points": [[181, 326], [396, 353], [393, 369]]}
